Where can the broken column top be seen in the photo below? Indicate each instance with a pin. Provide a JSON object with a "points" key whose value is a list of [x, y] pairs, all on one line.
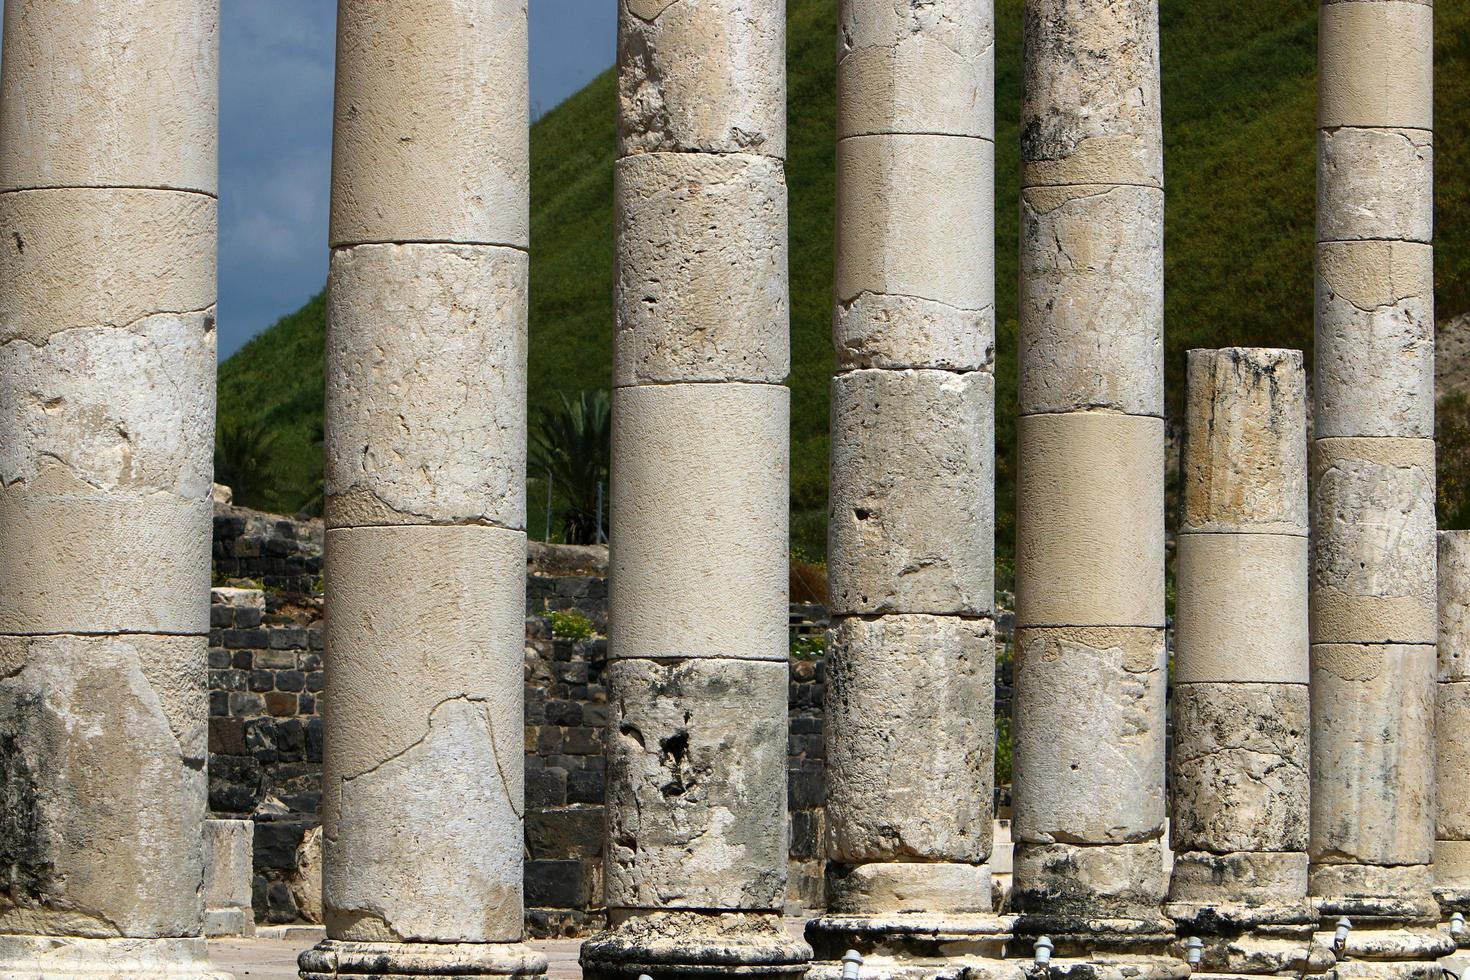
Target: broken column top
{"points": [[1244, 463]]}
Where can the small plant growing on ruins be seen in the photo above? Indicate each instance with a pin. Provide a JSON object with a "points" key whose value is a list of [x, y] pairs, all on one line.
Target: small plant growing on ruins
{"points": [[570, 445], [807, 647], [1002, 750], [570, 625]]}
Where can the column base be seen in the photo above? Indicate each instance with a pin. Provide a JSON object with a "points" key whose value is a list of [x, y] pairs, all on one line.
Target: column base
{"points": [[75, 958], [1087, 948], [912, 945], [685, 945], [1252, 940], [332, 958], [1391, 953]]}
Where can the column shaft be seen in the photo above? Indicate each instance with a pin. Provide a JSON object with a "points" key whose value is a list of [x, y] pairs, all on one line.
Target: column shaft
{"points": [[911, 651], [1240, 708], [696, 847], [425, 493], [1090, 662], [107, 370], [1451, 721], [1373, 589]]}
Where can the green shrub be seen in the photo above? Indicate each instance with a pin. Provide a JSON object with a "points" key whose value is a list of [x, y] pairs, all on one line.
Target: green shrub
{"points": [[807, 647], [570, 625], [1002, 750]]}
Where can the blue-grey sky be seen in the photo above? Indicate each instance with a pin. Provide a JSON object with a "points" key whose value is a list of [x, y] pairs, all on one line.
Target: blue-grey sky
{"points": [[276, 139]]}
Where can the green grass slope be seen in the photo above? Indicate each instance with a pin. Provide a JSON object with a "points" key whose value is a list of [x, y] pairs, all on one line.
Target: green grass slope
{"points": [[1239, 105]]}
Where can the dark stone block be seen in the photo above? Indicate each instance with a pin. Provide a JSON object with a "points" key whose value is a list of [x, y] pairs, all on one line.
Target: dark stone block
{"points": [[314, 733], [221, 615], [805, 839], [242, 660], [281, 704], [227, 736], [546, 788], [262, 681], [806, 786], [234, 784], [548, 741], [219, 704], [587, 786], [563, 713], [226, 680], [557, 884], [582, 741], [291, 736], [276, 842], [316, 680], [570, 832], [290, 680], [247, 617], [288, 638], [310, 661], [239, 638], [306, 704], [595, 715], [218, 658], [242, 705]]}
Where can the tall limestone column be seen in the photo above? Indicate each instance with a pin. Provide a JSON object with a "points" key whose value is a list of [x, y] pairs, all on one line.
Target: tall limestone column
{"points": [[425, 494], [1451, 723], [695, 872], [108, 160], [1090, 670], [1372, 470], [1240, 705], [911, 651]]}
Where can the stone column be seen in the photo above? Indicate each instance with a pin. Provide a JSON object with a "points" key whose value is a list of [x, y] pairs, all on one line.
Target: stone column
{"points": [[1090, 668], [108, 148], [695, 871], [911, 654], [1241, 745], [1451, 725], [1372, 468], [425, 494]]}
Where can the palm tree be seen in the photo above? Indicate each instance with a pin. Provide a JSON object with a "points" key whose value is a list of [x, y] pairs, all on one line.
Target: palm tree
{"points": [[242, 461], [571, 444]]}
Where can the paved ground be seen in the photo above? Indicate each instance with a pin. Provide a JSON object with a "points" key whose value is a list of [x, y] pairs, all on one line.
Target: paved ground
{"points": [[275, 959]]}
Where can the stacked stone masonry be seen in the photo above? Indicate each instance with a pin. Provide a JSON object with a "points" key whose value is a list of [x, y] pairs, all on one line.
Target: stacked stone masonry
{"points": [[1372, 571], [1451, 721], [1090, 656], [425, 492], [911, 651], [107, 357], [695, 866], [1241, 741]]}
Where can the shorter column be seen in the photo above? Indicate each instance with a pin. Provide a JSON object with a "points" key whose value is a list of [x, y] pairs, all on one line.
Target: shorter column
{"points": [[1451, 727], [1241, 667]]}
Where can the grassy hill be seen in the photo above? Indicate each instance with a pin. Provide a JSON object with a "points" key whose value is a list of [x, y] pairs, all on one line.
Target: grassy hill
{"points": [[1239, 108]]}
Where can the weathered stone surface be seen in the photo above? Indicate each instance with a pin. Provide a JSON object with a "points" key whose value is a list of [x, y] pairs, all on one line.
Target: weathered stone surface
{"points": [[426, 741], [1372, 755], [1092, 298], [129, 409], [897, 887], [1375, 183], [916, 68], [1090, 518], [430, 142], [1245, 442], [74, 559], [702, 75], [51, 957], [708, 464], [895, 332], [1092, 881], [1089, 736], [696, 788], [1090, 109], [1454, 605], [369, 960], [1334, 881], [1241, 610], [700, 287], [1376, 65], [1452, 864], [895, 193], [1373, 578], [673, 941], [82, 257], [305, 881], [1452, 793], [1252, 877], [1240, 767], [909, 725], [227, 877], [102, 752], [426, 381], [912, 499], [1375, 340], [111, 95]]}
